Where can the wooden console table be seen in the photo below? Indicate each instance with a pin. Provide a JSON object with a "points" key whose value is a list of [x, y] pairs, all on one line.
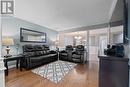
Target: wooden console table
{"points": [[113, 72]]}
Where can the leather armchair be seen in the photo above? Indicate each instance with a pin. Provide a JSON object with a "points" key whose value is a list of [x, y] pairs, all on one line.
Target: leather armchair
{"points": [[66, 54], [78, 54]]}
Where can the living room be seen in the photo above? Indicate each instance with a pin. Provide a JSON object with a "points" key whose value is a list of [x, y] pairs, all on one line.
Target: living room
{"points": [[65, 43]]}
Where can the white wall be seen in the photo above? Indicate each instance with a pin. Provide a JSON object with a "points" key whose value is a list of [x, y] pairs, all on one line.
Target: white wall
{"points": [[2, 76], [11, 27]]}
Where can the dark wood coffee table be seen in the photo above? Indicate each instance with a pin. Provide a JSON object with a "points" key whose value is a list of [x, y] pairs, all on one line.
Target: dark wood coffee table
{"points": [[17, 58]]}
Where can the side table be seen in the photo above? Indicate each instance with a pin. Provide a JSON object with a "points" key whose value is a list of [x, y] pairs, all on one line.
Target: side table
{"points": [[17, 58]]}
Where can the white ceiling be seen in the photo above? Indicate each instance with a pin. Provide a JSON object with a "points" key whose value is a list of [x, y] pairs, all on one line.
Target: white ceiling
{"points": [[64, 14]]}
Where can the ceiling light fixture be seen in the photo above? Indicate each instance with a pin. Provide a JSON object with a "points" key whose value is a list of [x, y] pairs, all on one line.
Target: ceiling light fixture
{"points": [[78, 37]]}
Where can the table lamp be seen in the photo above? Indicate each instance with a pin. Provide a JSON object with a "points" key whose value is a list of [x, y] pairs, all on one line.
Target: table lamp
{"points": [[8, 42], [57, 44]]}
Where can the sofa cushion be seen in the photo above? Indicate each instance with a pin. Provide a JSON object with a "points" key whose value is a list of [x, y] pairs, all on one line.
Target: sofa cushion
{"points": [[41, 58], [29, 54], [64, 54], [38, 48], [39, 53], [37, 59], [28, 48], [50, 55], [46, 52], [69, 47], [76, 56], [46, 47]]}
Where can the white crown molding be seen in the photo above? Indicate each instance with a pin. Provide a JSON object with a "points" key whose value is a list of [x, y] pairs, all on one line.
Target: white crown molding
{"points": [[99, 26]]}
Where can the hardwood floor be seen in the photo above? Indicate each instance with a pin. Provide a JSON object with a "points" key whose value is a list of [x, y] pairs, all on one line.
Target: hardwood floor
{"points": [[82, 76]]}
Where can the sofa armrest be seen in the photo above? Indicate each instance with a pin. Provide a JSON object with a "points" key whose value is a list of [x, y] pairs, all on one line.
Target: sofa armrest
{"points": [[23, 55], [63, 51]]}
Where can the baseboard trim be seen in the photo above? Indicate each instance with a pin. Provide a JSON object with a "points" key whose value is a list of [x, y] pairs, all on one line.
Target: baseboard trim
{"points": [[11, 66]]}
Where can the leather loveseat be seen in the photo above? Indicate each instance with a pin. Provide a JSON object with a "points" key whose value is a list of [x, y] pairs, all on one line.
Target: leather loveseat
{"points": [[36, 55], [72, 54]]}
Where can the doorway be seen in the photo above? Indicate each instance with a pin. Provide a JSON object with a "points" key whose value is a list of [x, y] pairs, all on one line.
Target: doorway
{"points": [[98, 39]]}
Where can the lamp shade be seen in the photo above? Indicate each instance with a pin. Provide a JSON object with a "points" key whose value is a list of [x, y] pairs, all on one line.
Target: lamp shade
{"points": [[56, 42], [7, 41]]}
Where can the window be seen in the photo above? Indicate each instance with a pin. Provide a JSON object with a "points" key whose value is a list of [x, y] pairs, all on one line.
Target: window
{"points": [[116, 34]]}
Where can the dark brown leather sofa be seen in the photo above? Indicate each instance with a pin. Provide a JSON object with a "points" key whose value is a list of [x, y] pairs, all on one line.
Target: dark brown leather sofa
{"points": [[36, 55]]}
